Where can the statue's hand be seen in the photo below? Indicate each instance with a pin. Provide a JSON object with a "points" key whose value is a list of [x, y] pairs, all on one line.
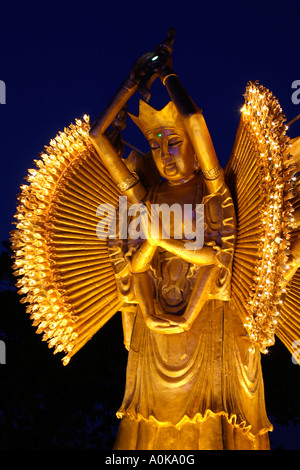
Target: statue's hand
{"points": [[144, 72], [147, 219], [152, 65], [177, 321], [145, 65], [161, 325], [153, 62]]}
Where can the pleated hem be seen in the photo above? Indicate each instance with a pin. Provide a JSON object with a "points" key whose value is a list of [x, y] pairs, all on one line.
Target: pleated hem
{"points": [[232, 419], [213, 433]]}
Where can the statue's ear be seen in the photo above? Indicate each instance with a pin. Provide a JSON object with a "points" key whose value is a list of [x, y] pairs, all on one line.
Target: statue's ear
{"points": [[144, 167]]}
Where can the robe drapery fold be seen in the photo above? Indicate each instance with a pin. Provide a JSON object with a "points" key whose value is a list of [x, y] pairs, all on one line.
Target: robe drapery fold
{"points": [[201, 382]]}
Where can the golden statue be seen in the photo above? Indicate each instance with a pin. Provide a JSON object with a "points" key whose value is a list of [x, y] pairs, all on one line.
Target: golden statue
{"points": [[196, 316]]}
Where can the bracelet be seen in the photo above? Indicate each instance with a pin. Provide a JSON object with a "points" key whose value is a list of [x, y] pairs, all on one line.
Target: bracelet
{"points": [[167, 76], [181, 252], [144, 256], [141, 261], [128, 182], [129, 85], [212, 174], [192, 256]]}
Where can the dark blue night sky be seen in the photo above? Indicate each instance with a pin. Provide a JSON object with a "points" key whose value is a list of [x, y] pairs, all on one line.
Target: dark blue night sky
{"points": [[60, 60]]}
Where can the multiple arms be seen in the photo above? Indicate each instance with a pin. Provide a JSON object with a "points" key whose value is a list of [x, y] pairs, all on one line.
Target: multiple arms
{"points": [[143, 73]]}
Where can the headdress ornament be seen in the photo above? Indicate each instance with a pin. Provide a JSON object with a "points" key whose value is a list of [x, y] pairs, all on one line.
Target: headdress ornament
{"points": [[150, 119]]}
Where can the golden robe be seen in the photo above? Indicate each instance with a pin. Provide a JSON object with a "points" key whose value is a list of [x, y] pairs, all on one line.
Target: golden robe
{"points": [[201, 389]]}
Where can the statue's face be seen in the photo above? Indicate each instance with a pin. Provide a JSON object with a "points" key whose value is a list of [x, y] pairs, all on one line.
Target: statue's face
{"points": [[173, 154]]}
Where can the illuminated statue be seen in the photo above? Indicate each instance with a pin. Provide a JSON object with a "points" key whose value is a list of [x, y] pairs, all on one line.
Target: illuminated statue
{"points": [[195, 316]]}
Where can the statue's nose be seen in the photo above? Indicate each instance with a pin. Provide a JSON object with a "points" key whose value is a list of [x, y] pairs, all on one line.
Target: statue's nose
{"points": [[165, 155]]}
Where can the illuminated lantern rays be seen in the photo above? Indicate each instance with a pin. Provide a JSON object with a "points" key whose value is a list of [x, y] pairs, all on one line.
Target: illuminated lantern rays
{"points": [[63, 269], [260, 176]]}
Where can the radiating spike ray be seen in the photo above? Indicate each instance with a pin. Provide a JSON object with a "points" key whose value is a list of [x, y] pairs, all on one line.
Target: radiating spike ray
{"points": [[64, 253], [86, 292], [291, 330], [82, 340], [88, 300], [94, 307], [95, 281], [72, 279], [75, 235], [67, 225], [288, 341], [248, 214], [94, 161], [291, 333], [247, 227], [88, 218], [242, 291], [92, 326], [64, 261], [59, 230], [251, 245], [88, 269], [81, 191], [242, 277], [291, 324], [249, 197], [71, 206], [291, 302], [293, 295], [251, 235], [88, 177], [99, 181], [246, 268], [61, 243], [84, 190], [251, 202], [93, 311], [82, 265], [250, 175], [80, 203], [69, 221]]}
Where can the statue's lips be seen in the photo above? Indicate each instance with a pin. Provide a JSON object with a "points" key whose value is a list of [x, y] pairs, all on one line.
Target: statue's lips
{"points": [[170, 169]]}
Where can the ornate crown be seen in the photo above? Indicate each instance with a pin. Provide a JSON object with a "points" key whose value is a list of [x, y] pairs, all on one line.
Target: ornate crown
{"points": [[150, 119]]}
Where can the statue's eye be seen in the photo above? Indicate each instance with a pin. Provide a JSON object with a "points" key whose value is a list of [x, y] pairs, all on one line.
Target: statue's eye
{"points": [[174, 142], [154, 145]]}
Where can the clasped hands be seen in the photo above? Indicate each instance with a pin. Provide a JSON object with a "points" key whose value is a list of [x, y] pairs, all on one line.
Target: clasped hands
{"points": [[155, 318], [151, 65]]}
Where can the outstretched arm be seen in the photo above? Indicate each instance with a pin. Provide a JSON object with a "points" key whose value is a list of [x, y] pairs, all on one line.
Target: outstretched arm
{"points": [[193, 120], [142, 75], [127, 183]]}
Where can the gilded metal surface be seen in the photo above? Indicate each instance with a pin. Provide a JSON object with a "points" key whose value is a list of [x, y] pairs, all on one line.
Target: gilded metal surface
{"points": [[195, 321], [128, 183], [212, 174]]}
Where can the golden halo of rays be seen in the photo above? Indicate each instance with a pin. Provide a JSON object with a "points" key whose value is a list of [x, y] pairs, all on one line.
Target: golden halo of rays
{"points": [[63, 268], [260, 177]]}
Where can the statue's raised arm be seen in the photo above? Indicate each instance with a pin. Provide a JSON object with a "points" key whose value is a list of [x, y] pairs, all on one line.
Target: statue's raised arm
{"points": [[145, 70], [195, 125]]}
